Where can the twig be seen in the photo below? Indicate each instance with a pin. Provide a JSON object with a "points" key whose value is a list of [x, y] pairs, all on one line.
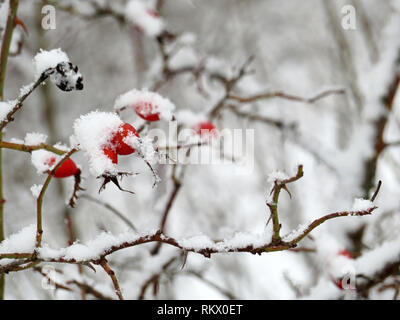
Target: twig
{"points": [[112, 209]]}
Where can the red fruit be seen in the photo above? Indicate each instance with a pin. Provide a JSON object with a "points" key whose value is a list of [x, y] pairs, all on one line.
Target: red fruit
{"points": [[125, 130], [205, 129], [67, 169], [111, 154], [145, 110]]}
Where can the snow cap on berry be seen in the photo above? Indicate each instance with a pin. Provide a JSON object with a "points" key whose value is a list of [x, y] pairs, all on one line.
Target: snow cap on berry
{"points": [[92, 133]]}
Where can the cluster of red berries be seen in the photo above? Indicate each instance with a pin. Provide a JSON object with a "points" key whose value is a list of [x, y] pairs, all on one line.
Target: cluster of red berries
{"points": [[339, 282]]}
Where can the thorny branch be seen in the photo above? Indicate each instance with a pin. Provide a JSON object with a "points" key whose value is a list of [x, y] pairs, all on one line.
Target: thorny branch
{"points": [[273, 206]]}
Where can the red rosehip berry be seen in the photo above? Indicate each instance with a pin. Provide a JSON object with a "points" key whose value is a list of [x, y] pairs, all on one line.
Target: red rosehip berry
{"points": [[111, 154], [345, 253], [146, 110], [124, 131], [67, 169]]}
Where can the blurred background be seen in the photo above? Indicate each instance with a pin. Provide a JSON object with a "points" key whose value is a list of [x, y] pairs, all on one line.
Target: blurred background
{"points": [[346, 142]]}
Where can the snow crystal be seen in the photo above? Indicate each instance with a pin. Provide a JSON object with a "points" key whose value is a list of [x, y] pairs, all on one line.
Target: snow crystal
{"points": [[48, 59], [185, 57], [36, 189], [161, 105], [144, 18], [34, 138], [22, 241], [5, 108], [362, 205], [16, 140], [4, 9], [92, 133]]}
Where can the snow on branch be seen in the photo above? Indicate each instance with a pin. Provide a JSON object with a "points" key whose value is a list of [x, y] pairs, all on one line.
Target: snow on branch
{"points": [[52, 64]]}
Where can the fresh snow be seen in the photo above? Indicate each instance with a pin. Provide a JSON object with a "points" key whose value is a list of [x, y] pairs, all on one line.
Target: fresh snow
{"points": [[34, 138], [21, 241], [92, 133], [138, 13]]}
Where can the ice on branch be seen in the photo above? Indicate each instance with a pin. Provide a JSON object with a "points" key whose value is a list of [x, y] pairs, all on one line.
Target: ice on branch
{"points": [[92, 133], [146, 103], [144, 18], [60, 70]]}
